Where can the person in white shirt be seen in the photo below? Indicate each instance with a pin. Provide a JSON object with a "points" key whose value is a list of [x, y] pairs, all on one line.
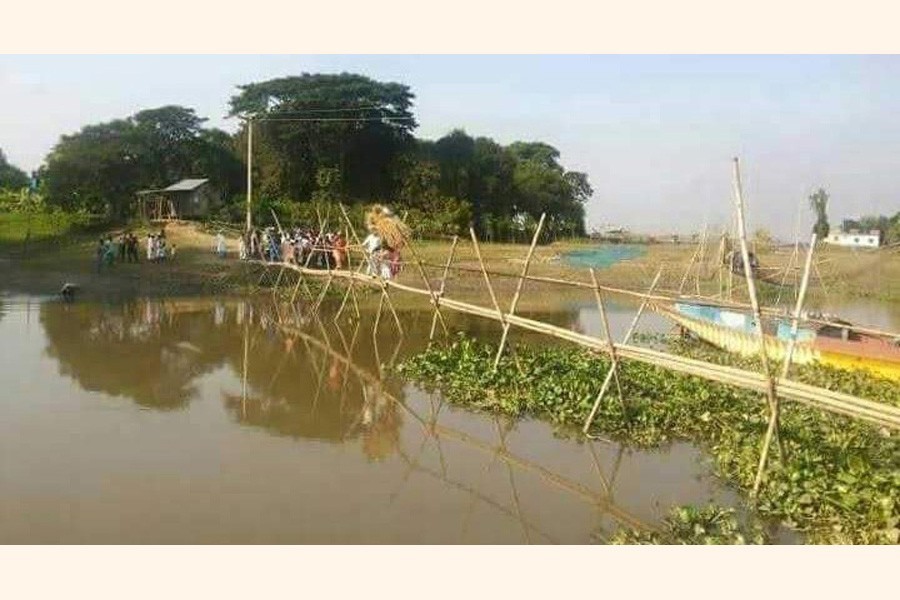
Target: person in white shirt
{"points": [[372, 246]]}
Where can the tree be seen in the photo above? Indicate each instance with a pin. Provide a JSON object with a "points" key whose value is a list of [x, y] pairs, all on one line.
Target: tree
{"points": [[316, 121], [11, 177], [818, 201], [99, 168]]}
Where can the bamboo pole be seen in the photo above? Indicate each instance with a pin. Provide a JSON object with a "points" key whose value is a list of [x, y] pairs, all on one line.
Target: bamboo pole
{"points": [[666, 298], [487, 279], [443, 284], [349, 223], [795, 321], [521, 282], [612, 346], [608, 334], [694, 257], [751, 289], [435, 298]]}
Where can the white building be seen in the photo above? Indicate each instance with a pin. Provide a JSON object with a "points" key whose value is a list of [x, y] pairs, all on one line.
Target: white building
{"points": [[855, 239]]}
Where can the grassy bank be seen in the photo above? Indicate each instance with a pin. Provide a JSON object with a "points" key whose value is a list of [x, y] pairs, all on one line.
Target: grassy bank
{"points": [[840, 482], [845, 273]]}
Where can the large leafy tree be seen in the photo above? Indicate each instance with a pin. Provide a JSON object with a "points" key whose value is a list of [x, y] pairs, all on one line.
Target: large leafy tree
{"points": [[101, 167], [11, 177], [311, 122], [509, 187]]}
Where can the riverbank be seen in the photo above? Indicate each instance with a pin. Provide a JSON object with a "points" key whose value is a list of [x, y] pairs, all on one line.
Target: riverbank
{"points": [[841, 273]]}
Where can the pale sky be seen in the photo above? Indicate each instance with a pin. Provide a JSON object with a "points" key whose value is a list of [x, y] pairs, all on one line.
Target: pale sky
{"points": [[655, 134]]}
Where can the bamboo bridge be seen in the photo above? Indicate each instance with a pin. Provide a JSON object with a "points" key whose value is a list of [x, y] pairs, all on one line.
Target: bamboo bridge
{"points": [[772, 387]]}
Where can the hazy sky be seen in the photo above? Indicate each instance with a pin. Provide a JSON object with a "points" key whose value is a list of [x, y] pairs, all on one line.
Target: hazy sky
{"points": [[655, 134]]}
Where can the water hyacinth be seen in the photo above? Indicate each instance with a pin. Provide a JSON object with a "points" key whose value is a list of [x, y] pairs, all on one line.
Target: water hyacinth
{"points": [[840, 481]]}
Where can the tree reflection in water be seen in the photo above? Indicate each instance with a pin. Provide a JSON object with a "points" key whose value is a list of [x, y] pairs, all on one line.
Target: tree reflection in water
{"points": [[304, 377]]}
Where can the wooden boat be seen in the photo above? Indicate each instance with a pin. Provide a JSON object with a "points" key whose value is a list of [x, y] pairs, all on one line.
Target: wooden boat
{"points": [[835, 345]]}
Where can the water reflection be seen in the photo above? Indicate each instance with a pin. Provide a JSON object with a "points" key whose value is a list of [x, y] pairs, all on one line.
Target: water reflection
{"points": [[147, 351], [293, 429]]}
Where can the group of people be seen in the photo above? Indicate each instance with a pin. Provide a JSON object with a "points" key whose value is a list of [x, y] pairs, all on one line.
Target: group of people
{"points": [[125, 249], [158, 250], [303, 247]]}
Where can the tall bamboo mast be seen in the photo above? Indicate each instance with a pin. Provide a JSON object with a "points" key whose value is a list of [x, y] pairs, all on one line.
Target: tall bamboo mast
{"points": [[751, 290]]}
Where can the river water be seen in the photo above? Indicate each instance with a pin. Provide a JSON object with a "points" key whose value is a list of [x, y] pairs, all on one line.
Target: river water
{"points": [[226, 421]]}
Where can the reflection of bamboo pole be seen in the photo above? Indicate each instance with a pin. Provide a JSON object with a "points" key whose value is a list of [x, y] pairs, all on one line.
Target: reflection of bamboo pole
{"points": [[443, 284], [387, 296], [415, 466], [436, 430], [521, 282], [244, 368]]}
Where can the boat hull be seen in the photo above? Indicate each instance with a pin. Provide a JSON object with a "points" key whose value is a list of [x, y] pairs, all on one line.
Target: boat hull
{"points": [[727, 332]]}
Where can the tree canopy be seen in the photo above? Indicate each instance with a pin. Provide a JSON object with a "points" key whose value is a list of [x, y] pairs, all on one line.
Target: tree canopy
{"points": [[310, 122], [11, 177], [323, 137], [100, 168]]}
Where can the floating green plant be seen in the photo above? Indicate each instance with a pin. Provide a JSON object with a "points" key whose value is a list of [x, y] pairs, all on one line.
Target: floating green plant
{"points": [[840, 480]]}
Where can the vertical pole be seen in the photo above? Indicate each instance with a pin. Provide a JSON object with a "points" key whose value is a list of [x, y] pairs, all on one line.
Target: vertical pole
{"points": [[515, 300], [249, 171], [443, 284], [754, 302], [606, 330]]}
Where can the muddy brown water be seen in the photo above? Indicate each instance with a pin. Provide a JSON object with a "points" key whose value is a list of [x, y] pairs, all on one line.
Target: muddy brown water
{"points": [[142, 422]]}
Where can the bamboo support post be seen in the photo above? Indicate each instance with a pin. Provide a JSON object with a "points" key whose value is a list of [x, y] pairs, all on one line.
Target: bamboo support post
{"points": [[608, 334], [519, 285], [487, 279], [611, 372], [795, 322], [435, 298], [751, 290], [443, 285]]}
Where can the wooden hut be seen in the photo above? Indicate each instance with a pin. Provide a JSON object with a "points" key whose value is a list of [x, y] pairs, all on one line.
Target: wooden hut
{"points": [[188, 198]]}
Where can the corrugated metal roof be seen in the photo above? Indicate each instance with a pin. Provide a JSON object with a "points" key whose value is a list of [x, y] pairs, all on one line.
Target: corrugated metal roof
{"points": [[186, 185]]}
